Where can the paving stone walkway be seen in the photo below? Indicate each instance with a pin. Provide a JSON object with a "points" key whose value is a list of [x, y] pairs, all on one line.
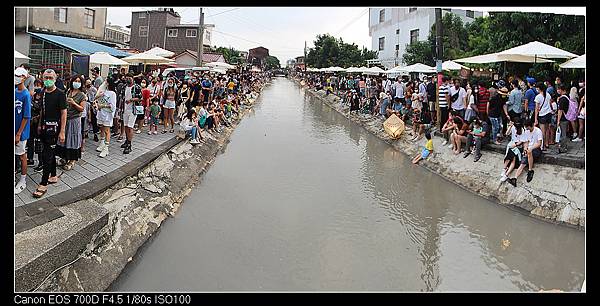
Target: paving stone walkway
{"points": [[83, 180]]}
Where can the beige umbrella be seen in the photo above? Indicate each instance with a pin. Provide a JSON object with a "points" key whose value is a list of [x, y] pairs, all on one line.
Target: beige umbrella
{"points": [[103, 58], [19, 55], [145, 58], [450, 65], [158, 51], [537, 49], [497, 57], [578, 62]]}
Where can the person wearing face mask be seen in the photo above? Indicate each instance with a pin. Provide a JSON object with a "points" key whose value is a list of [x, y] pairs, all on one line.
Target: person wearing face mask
{"points": [[70, 151], [170, 96], [22, 123], [91, 92], [146, 93], [51, 128], [132, 98], [184, 104]]}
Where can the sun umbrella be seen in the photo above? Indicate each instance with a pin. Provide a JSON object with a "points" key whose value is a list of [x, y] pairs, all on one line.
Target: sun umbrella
{"points": [[450, 65], [374, 71], [578, 62], [19, 55], [145, 58], [537, 50], [160, 52], [103, 58]]}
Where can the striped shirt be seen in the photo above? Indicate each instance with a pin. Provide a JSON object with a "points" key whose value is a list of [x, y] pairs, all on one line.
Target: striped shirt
{"points": [[442, 96]]}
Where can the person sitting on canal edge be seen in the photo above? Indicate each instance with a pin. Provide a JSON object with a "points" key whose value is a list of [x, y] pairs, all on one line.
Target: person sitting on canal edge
{"points": [[427, 149], [533, 142]]}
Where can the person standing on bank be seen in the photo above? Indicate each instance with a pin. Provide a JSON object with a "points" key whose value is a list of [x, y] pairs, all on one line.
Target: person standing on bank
{"points": [[70, 151], [458, 97], [563, 122], [132, 98], [22, 123], [53, 120], [170, 96], [514, 105]]}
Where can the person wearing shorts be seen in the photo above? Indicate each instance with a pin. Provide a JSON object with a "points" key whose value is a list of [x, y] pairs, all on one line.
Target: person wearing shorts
{"points": [[427, 149], [133, 96], [22, 123], [154, 115], [169, 105], [533, 142]]}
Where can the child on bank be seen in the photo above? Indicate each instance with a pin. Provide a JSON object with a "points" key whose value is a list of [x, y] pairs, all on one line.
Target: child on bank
{"points": [[154, 116], [426, 150]]}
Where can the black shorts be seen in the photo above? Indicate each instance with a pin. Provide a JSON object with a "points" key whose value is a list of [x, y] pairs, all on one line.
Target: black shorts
{"points": [[510, 155], [545, 119], [537, 153]]}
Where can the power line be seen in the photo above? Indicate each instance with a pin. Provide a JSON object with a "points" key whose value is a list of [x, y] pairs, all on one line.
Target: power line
{"points": [[351, 21], [219, 13]]}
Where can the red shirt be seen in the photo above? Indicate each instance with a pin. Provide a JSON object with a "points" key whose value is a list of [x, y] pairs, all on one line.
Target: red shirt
{"points": [[146, 97], [483, 98]]}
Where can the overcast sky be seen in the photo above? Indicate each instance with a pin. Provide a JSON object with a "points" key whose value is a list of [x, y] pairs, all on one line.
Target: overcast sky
{"points": [[283, 30]]}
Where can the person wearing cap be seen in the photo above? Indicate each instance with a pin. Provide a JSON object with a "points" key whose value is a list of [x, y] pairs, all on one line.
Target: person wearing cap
{"points": [[51, 128], [97, 77], [529, 98], [30, 81], [22, 123]]}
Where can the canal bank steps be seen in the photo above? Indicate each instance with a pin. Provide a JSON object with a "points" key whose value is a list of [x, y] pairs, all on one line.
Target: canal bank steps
{"points": [[87, 250], [556, 194]]}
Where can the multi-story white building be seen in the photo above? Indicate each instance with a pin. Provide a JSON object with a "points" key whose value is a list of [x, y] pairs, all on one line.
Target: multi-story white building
{"points": [[391, 29], [117, 34]]}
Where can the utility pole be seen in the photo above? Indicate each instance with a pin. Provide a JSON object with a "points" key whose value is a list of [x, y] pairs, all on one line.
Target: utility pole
{"points": [[200, 39], [305, 56], [438, 60]]}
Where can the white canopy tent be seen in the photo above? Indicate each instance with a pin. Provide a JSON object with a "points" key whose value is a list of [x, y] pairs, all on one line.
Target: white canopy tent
{"points": [[418, 67], [352, 69], [451, 65], [497, 57], [19, 55], [160, 52], [537, 50], [145, 58], [220, 65], [337, 69], [103, 58], [374, 71], [576, 63]]}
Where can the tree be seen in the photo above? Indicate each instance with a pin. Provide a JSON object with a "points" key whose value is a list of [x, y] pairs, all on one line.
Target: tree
{"points": [[272, 62], [231, 55], [329, 51]]}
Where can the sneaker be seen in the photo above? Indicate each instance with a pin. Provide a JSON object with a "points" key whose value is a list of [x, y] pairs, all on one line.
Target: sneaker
{"points": [[120, 139], [577, 139], [149, 132], [503, 178], [101, 146], [513, 181], [155, 133], [194, 141], [574, 135], [529, 176], [477, 157], [127, 149], [21, 185], [95, 138], [445, 142], [39, 168], [104, 152], [467, 154], [125, 144], [503, 173], [138, 131]]}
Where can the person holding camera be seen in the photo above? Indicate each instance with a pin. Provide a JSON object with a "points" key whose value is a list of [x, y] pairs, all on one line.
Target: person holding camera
{"points": [[51, 128]]}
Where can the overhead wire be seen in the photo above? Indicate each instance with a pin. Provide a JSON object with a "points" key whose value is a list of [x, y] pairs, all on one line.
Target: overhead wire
{"points": [[345, 27]]}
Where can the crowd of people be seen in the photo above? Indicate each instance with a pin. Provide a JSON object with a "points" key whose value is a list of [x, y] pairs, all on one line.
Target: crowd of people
{"points": [[532, 116], [55, 115]]}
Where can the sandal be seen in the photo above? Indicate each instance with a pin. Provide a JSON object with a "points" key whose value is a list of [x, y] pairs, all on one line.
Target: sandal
{"points": [[40, 192], [50, 181], [164, 131], [69, 166]]}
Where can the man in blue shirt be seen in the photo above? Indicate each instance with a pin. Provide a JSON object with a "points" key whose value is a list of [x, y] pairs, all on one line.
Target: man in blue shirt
{"points": [[530, 98], [22, 118], [206, 88]]}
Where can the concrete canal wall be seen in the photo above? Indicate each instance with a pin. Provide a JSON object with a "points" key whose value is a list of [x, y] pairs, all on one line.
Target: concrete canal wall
{"points": [[135, 208], [556, 193]]}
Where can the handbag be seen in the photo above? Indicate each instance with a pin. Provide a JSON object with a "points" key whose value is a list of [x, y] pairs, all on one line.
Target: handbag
{"points": [[138, 110]]}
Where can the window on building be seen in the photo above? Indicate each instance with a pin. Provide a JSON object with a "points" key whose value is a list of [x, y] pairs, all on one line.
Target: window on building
{"points": [[381, 43], [142, 15], [207, 35], [172, 32], [89, 18], [143, 31], [470, 14], [414, 36], [191, 33], [397, 31], [60, 14], [412, 9], [382, 15]]}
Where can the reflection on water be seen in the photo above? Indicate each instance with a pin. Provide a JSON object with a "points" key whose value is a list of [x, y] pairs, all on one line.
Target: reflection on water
{"points": [[303, 199]]}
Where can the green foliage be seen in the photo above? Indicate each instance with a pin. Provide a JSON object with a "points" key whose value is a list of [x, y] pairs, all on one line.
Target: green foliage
{"points": [[329, 51], [272, 62], [500, 31], [231, 55]]}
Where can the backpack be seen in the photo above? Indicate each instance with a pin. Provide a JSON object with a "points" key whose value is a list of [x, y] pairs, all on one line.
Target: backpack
{"points": [[573, 107]]}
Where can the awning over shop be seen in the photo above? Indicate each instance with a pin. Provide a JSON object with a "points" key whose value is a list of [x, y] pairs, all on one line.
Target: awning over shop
{"points": [[79, 45]]}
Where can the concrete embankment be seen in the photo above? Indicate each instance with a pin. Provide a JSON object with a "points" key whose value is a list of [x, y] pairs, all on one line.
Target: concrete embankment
{"points": [[556, 193], [132, 209]]}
